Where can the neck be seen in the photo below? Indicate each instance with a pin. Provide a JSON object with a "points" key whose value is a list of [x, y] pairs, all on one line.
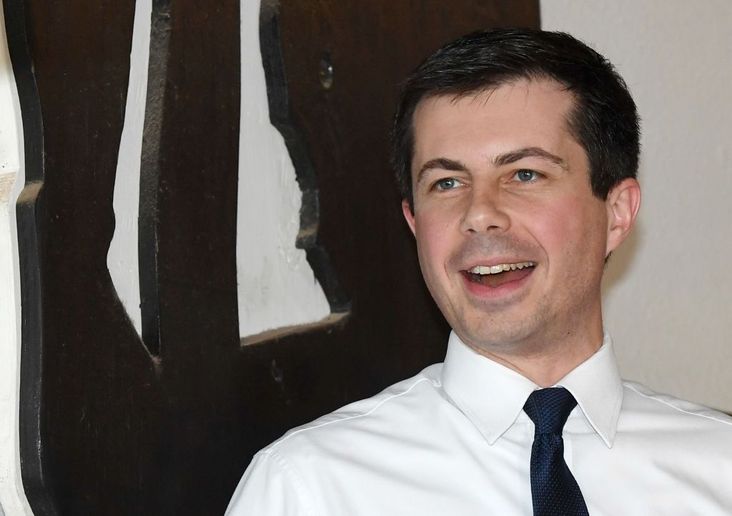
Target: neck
{"points": [[549, 360]]}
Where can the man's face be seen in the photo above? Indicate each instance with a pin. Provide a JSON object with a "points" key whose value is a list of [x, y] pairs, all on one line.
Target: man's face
{"points": [[500, 184]]}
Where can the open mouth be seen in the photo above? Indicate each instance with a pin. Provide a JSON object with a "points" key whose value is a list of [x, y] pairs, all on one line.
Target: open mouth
{"points": [[500, 274]]}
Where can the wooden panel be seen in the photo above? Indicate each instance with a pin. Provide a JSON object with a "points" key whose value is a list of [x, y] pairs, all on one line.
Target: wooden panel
{"points": [[108, 428]]}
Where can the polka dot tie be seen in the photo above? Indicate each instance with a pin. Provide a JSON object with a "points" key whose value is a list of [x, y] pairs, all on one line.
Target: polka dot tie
{"points": [[554, 491]]}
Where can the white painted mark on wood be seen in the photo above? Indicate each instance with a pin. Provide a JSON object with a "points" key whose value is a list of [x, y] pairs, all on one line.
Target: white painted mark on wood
{"points": [[276, 286], [12, 495], [122, 258]]}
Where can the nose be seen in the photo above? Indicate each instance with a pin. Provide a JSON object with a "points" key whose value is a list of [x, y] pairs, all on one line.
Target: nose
{"points": [[485, 212]]}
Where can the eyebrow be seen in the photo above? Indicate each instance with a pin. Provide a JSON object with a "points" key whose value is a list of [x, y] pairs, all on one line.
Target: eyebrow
{"points": [[442, 164], [529, 152]]}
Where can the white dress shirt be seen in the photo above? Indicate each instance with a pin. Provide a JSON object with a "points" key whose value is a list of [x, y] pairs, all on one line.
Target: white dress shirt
{"points": [[454, 440]]}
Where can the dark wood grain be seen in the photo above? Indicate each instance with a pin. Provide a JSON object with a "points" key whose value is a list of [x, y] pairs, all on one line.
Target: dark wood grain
{"points": [[111, 425]]}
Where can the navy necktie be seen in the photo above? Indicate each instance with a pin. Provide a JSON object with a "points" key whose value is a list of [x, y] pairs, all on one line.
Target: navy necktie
{"points": [[554, 491]]}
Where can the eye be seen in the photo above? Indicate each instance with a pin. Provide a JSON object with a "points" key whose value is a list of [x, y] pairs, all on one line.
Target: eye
{"points": [[447, 183], [526, 176]]}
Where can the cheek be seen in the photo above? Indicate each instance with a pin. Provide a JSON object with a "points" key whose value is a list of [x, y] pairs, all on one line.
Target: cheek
{"points": [[570, 227], [434, 241]]}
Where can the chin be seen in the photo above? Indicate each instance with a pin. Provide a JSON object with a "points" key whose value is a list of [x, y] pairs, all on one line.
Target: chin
{"points": [[507, 336]]}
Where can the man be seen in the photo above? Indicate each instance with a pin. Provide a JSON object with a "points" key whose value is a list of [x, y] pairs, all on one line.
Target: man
{"points": [[517, 152]]}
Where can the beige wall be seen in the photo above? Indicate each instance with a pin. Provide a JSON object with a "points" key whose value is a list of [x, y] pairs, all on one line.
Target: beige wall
{"points": [[668, 302]]}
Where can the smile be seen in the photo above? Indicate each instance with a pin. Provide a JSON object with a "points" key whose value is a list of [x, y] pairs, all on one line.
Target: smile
{"points": [[499, 275], [483, 270]]}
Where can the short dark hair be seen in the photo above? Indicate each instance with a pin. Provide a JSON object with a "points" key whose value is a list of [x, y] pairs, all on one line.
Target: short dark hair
{"points": [[604, 119]]}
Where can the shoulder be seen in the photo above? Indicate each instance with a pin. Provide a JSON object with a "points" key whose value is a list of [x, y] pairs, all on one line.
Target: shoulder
{"points": [[686, 445], [339, 450], [396, 407], [665, 419], [365, 432], [641, 398]]}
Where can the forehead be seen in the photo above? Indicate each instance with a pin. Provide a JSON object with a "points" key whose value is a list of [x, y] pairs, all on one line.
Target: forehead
{"points": [[518, 114]]}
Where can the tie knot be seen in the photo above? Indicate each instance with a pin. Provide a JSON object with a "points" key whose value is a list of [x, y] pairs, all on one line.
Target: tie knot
{"points": [[549, 409]]}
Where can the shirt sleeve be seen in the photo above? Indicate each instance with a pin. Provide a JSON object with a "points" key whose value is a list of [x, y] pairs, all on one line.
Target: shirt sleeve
{"points": [[269, 487]]}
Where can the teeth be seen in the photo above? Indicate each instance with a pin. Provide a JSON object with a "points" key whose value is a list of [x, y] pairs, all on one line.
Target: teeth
{"points": [[496, 269]]}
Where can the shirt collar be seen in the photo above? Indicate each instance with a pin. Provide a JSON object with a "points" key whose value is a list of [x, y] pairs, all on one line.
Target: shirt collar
{"points": [[598, 389], [492, 396]]}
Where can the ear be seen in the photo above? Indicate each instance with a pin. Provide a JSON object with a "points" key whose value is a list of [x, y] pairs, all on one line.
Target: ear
{"points": [[622, 205], [408, 215]]}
